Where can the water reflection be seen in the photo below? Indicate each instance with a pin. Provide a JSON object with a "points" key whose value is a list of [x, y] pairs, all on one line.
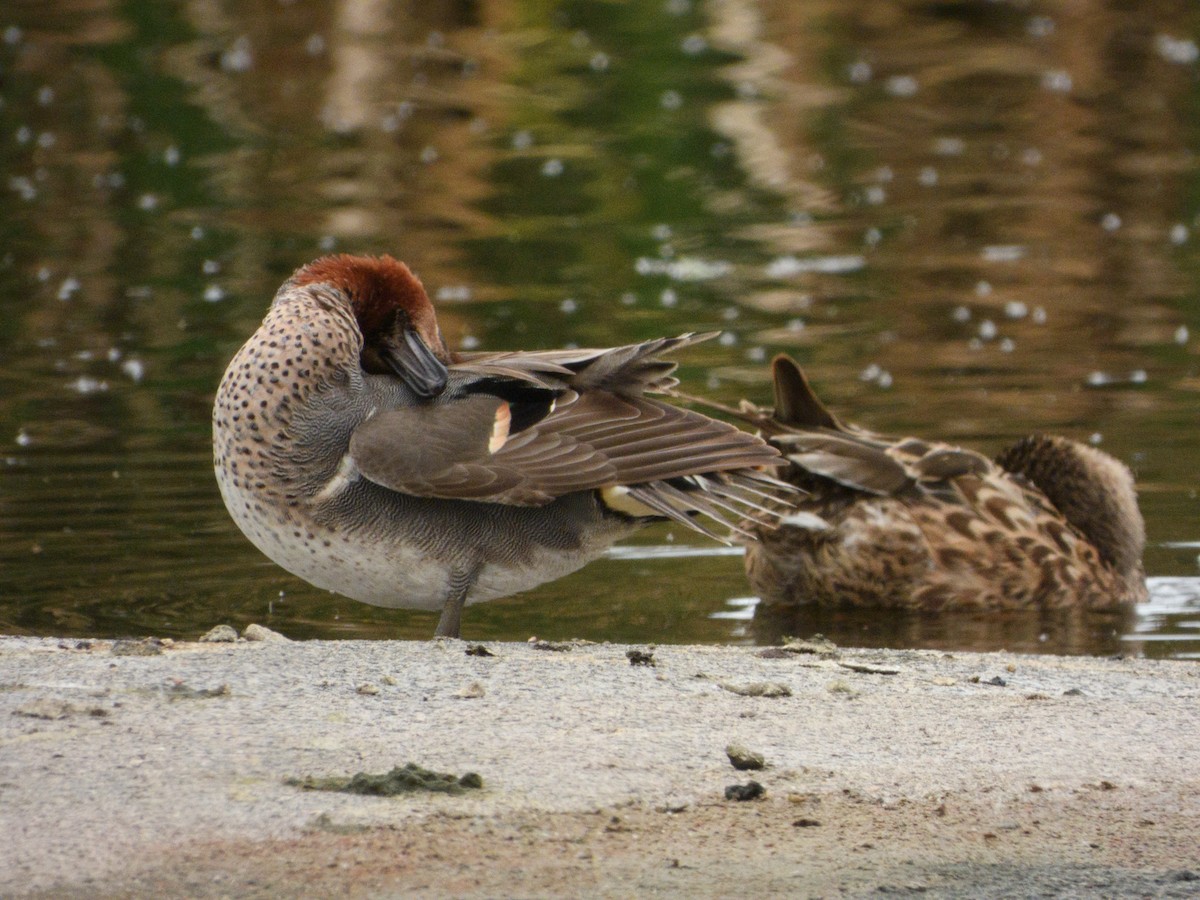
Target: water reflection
{"points": [[1017, 631], [966, 220]]}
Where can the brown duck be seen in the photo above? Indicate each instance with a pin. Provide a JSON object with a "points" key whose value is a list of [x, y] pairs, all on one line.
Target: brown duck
{"points": [[909, 523], [357, 451]]}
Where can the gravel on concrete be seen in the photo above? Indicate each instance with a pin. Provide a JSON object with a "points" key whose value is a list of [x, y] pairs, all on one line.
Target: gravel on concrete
{"points": [[173, 770]]}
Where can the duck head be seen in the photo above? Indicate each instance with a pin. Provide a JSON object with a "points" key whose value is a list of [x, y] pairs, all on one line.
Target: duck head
{"points": [[400, 334]]}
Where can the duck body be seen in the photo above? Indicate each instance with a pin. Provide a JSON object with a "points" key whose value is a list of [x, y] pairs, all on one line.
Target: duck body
{"points": [[353, 449], [913, 524]]}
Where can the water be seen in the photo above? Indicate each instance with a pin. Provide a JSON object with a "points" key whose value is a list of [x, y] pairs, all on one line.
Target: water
{"points": [[967, 221]]}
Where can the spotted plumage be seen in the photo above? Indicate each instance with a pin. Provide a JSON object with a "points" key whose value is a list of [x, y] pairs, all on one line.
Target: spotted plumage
{"points": [[357, 451], [1050, 523]]}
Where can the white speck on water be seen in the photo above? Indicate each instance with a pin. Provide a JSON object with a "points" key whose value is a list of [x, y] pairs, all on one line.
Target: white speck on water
{"points": [[874, 194], [629, 298], [24, 134], [552, 168], [45, 95], [214, 293], [928, 177], [210, 267], [429, 154], [148, 202], [1007, 345], [901, 86], [987, 329], [522, 140], [949, 146], [859, 72], [885, 175], [671, 99], [1098, 379], [1181, 334], [1040, 26], [1181, 51], [69, 287], [1095, 438], [46, 140], [43, 274], [786, 266], [599, 62], [730, 313], [727, 339], [694, 44], [171, 155], [678, 7], [454, 293], [116, 180], [961, 314], [686, 268], [134, 369], [1057, 80], [1015, 309], [712, 383], [569, 306], [1138, 376], [197, 232], [23, 188], [479, 125], [469, 342], [661, 232], [13, 35], [876, 374], [314, 45], [327, 242], [1179, 234], [85, 384], [668, 298], [872, 237], [23, 438], [1039, 315], [795, 325], [1110, 222], [239, 57], [1031, 156], [1003, 253], [114, 354], [84, 355], [756, 354]]}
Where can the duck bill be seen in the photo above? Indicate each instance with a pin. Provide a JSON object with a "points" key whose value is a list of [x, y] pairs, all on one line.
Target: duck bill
{"points": [[418, 365]]}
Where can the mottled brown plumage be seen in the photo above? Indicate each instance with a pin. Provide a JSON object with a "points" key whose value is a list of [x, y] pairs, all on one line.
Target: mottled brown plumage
{"points": [[358, 452], [909, 523]]}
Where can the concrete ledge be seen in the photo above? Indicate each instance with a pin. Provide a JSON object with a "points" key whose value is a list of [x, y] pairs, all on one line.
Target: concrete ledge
{"points": [[164, 774]]}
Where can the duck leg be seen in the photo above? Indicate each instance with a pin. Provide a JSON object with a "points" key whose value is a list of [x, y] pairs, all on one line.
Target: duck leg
{"points": [[450, 623]]}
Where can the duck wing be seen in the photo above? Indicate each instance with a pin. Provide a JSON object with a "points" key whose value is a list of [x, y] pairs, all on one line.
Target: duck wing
{"points": [[528, 440]]}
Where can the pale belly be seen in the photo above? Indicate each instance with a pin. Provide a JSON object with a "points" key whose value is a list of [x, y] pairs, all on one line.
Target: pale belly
{"points": [[383, 569]]}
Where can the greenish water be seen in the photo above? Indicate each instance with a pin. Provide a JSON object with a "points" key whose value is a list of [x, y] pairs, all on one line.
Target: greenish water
{"points": [[967, 221]]}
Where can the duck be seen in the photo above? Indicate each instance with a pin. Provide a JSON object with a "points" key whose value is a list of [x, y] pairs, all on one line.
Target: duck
{"points": [[357, 451], [921, 525]]}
